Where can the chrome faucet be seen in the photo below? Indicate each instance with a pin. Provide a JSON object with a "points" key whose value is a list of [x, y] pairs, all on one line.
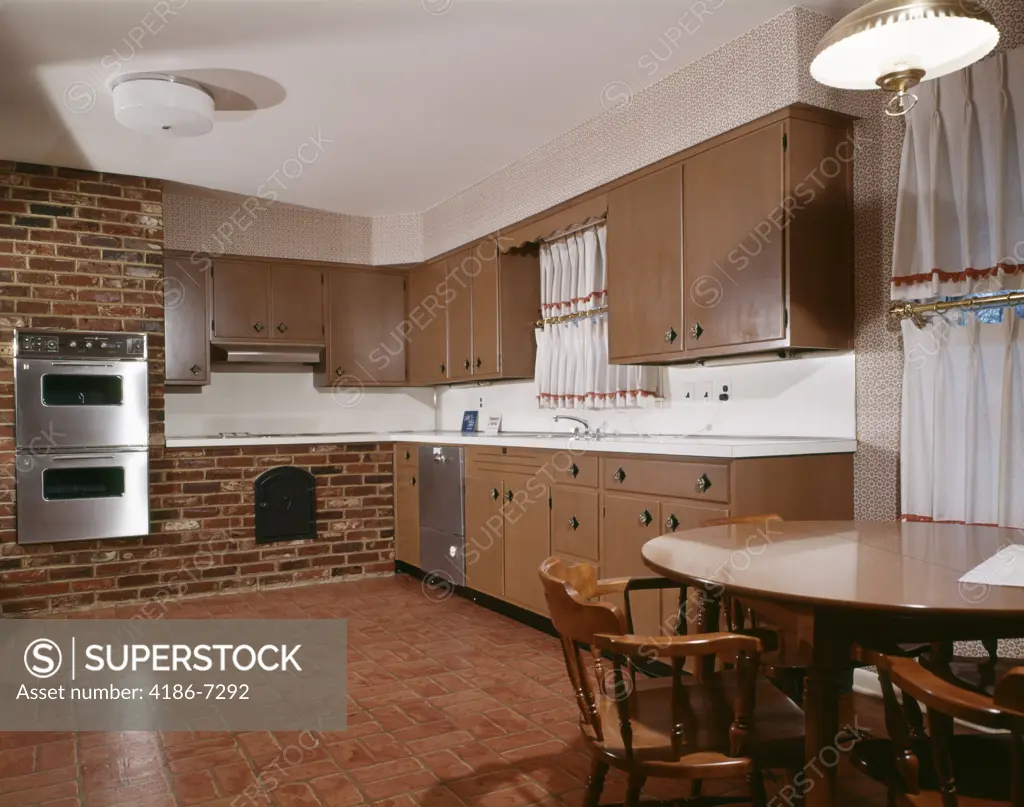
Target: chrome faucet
{"points": [[584, 432]]}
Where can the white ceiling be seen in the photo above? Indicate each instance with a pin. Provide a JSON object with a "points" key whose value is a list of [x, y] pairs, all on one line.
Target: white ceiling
{"points": [[421, 98]]}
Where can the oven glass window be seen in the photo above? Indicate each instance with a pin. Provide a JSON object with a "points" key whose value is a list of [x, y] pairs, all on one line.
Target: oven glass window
{"points": [[82, 483], [82, 390]]}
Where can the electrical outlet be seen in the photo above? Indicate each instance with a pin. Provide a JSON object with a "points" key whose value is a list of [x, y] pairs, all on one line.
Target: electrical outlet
{"points": [[705, 392], [481, 406], [689, 392], [723, 391]]}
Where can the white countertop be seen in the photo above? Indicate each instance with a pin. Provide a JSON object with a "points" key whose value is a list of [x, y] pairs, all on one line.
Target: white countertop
{"points": [[674, 445]]}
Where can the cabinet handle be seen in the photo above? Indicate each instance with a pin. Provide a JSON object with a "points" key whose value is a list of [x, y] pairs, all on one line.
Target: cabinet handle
{"points": [[466, 364], [258, 327], [341, 371], [671, 335], [671, 523], [696, 330], [407, 455], [196, 369], [703, 483], [574, 523], [414, 481], [442, 367], [479, 362], [495, 494], [620, 475], [509, 496], [281, 327], [646, 518], [574, 471]]}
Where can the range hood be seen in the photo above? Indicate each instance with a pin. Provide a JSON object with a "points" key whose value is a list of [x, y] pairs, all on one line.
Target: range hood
{"points": [[266, 353]]}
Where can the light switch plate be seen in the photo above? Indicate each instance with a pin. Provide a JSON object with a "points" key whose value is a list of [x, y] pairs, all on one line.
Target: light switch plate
{"points": [[705, 392], [689, 392]]}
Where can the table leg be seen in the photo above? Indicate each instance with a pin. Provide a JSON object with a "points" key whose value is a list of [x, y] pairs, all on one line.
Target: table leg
{"points": [[821, 710]]}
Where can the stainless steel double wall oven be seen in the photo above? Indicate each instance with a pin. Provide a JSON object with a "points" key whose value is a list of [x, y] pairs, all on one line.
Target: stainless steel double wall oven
{"points": [[82, 435]]}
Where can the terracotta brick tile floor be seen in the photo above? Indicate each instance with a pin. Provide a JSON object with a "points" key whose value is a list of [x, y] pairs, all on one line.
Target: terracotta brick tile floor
{"points": [[451, 705]]}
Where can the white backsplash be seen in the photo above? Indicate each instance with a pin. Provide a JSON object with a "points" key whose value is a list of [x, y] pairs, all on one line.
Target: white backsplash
{"points": [[284, 401], [811, 397]]}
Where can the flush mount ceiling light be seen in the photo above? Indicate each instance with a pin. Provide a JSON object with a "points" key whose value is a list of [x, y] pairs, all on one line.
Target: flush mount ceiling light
{"points": [[897, 44], [162, 104]]}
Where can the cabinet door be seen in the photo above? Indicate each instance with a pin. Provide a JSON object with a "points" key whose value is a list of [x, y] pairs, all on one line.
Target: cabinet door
{"points": [[575, 521], [645, 264], [629, 523], [485, 534], [678, 515], [186, 323], [527, 540], [364, 311], [734, 279], [241, 300], [485, 310], [296, 302], [427, 349], [407, 515], [460, 314]]}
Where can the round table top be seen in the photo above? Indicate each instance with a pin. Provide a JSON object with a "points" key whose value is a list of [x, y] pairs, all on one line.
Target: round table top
{"points": [[889, 566]]}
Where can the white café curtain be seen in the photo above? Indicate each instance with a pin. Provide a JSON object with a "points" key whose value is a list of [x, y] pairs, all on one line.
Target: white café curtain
{"points": [[572, 357], [963, 419], [960, 209]]}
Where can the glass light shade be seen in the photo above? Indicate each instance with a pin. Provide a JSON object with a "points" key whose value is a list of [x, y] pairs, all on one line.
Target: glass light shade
{"points": [[887, 37]]}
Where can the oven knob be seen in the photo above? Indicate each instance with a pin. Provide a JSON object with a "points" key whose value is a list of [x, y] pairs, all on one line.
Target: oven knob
{"points": [[73, 343], [103, 344], [88, 344]]}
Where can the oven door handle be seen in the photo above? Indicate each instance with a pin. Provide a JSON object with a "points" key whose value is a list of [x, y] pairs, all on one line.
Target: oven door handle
{"points": [[80, 364], [81, 457]]}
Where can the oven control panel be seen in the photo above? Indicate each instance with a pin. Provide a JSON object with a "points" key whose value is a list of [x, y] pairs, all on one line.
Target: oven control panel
{"points": [[80, 345]]}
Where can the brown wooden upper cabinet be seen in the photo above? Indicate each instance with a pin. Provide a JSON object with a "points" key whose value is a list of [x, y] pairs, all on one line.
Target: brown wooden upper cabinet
{"points": [[364, 311], [186, 322], [742, 245], [254, 300], [472, 316]]}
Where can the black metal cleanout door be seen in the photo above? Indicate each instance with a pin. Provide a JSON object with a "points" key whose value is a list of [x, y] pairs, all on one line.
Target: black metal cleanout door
{"points": [[285, 501]]}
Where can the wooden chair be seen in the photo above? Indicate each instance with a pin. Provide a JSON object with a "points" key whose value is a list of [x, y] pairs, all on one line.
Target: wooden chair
{"points": [[679, 727], [938, 768]]}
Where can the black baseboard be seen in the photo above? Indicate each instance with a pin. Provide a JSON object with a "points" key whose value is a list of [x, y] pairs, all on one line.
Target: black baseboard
{"points": [[536, 621]]}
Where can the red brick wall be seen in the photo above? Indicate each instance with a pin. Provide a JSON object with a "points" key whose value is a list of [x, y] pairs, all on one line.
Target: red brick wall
{"points": [[84, 250]]}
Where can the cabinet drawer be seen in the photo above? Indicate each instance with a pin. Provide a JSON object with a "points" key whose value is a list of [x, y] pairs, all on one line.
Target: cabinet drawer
{"points": [[704, 481], [574, 522], [406, 455], [567, 469]]}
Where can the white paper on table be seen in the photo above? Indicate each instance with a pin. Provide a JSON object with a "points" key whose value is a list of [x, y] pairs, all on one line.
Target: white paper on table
{"points": [[1004, 568]]}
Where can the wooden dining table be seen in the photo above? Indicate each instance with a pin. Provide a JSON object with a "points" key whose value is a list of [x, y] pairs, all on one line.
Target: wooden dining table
{"points": [[828, 585]]}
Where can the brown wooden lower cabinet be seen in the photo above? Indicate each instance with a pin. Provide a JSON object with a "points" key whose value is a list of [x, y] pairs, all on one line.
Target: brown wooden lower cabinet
{"points": [[527, 539], [630, 521], [407, 505], [485, 534], [575, 521]]}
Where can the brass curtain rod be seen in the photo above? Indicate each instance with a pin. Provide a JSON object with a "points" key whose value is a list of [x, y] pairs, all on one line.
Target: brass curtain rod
{"points": [[569, 317], [916, 311]]}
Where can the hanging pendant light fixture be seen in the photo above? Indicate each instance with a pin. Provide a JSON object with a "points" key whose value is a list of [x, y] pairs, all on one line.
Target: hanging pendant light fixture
{"points": [[897, 44]]}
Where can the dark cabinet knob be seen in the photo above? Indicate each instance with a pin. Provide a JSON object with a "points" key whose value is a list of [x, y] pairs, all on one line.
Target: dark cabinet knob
{"points": [[413, 480], [574, 470], [196, 369], [466, 364], [696, 330], [671, 523], [258, 327], [341, 371], [574, 523], [646, 518], [442, 368], [619, 475], [407, 455], [703, 483], [281, 327], [671, 335], [479, 362], [509, 496], [495, 494]]}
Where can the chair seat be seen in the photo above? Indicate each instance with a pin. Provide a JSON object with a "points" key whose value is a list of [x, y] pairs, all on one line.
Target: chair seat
{"points": [[981, 763], [980, 674], [775, 736]]}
